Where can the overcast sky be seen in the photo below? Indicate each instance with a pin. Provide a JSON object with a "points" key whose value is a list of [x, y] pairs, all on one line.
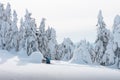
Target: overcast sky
{"points": [[75, 19]]}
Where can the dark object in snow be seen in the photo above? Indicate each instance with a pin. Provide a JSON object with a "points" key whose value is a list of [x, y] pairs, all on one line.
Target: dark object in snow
{"points": [[47, 60], [44, 60]]}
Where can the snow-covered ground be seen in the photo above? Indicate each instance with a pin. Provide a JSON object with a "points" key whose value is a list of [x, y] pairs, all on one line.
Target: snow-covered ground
{"points": [[12, 68], [59, 71]]}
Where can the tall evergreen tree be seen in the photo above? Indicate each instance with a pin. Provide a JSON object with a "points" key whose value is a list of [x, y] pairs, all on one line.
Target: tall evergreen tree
{"points": [[7, 13], [65, 50], [15, 43], [21, 38], [30, 33], [6, 28], [102, 39], [1, 22], [116, 33], [109, 56], [52, 42], [42, 39]]}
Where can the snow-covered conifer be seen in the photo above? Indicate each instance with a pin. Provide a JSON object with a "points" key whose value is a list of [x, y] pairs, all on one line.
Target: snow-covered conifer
{"points": [[52, 42], [65, 50], [102, 38], [82, 53], [42, 39], [21, 38], [1, 11], [30, 33], [1, 22], [7, 13], [15, 43], [116, 33], [109, 56]]}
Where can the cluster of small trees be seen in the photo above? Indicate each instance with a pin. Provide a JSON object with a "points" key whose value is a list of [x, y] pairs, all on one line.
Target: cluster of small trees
{"points": [[105, 51]]}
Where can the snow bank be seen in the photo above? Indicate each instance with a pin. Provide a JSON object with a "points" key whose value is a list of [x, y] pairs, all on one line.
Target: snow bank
{"points": [[20, 57], [5, 55], [36, 57]]}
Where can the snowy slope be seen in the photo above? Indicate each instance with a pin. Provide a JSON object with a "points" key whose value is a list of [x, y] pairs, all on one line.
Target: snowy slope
{"points": [[58, 70]]}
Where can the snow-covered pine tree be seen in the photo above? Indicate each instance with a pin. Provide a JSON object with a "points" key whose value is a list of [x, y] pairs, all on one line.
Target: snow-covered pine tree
{"points": [[102, 39], [42, 39], [109, 56], [30, 34], [59, 52], [7, 13], [91, 51], [116, 33], [8, 38], [116, 23], [82, 53], [34, 44], [6, 28], [42, 26], [65, 50], [1, 22], [52, 42], [15, 43], [21, 35], [1, 11]]}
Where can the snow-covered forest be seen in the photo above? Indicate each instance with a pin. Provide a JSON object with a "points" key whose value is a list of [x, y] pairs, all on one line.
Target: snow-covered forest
{"points": [[29, 37]]}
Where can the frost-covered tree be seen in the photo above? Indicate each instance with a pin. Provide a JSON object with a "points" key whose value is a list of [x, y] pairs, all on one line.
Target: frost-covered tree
{"points": [[6, 28], [7, 13], [59, 52], [1, 22], [1, 11], [30, 34], [102, 39], [65, 50], [116, 33], [21, 35], [91, 51], [8, 37], [42, 26], [82, 53], [15, 43], [52, 42], [109, 56], [42, 39], [116, 23]]}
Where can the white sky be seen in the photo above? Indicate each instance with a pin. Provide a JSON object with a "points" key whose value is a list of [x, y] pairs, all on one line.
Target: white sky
{"points": [[75, 19]]}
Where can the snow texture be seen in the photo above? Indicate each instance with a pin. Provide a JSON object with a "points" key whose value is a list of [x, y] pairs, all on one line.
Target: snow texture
{"points": [[58, 70]]}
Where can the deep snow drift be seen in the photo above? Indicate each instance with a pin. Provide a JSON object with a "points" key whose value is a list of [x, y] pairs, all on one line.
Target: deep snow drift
{"points": [[14, 68]]}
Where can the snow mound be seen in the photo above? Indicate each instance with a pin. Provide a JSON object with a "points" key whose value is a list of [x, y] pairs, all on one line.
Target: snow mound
{"points": [[36, 57], [5, 55], [12, 61]]}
